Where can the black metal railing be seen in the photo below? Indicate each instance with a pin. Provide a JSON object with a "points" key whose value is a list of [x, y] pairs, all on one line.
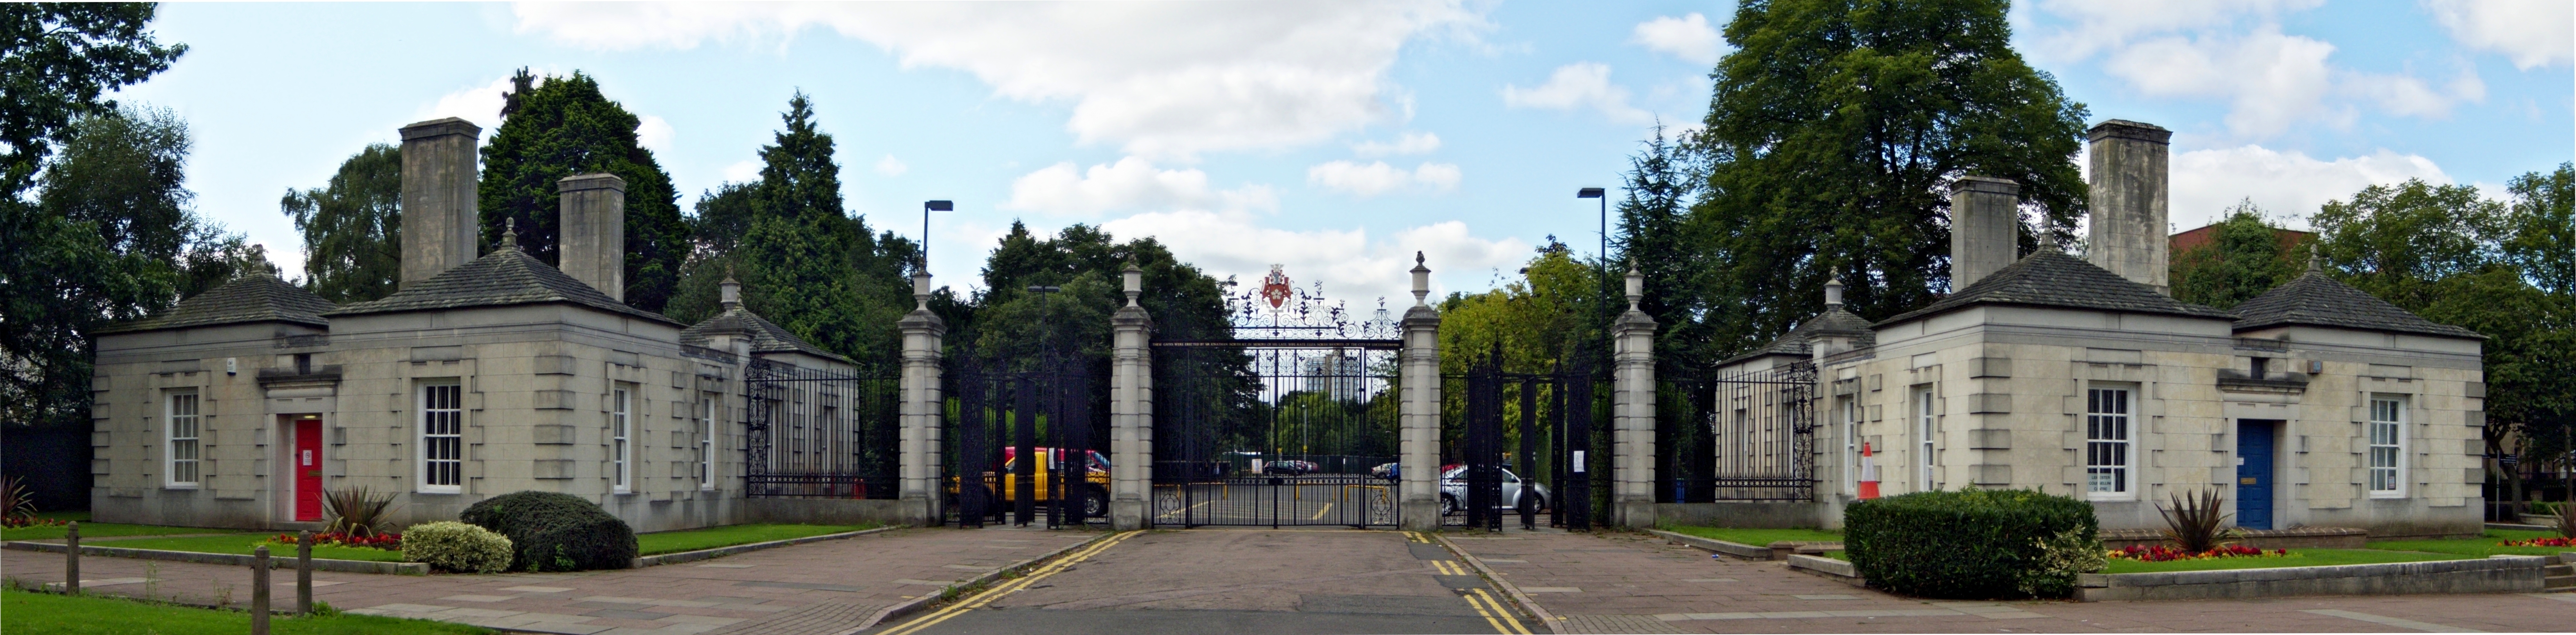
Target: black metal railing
{"points": [[820, 433]]}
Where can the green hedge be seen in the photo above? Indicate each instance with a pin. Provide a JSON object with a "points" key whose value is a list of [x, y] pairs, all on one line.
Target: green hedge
{"points": [[1973, 544], [556, 532]]}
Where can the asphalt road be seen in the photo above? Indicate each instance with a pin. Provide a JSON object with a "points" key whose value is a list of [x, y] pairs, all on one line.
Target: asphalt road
{"points": [[1251, 581]]}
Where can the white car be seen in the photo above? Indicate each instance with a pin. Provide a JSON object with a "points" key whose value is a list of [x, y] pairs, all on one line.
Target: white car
{"points": [[1453, 491]]}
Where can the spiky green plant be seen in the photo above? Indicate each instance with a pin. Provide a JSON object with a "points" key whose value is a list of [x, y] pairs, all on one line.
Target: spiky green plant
{"points": [[358, 511], [2195, 523], [16, 505]]}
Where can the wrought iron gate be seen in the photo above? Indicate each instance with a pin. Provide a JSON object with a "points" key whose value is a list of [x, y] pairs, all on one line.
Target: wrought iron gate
{"points": [[816, 433], [1746, 436], [996, 416], [1296, 428], [1524, 445]]}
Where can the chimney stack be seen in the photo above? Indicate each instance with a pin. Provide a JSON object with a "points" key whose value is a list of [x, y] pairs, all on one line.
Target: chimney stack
{"points": [[2129, 198], [439, 221], [1985, 228], [594, 231]]}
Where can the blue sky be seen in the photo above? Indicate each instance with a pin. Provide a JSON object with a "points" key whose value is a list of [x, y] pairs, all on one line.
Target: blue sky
{"points": [[1336, 138]]}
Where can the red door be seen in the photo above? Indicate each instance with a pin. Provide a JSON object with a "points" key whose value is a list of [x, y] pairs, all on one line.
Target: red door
{"points": [[308, 469]]}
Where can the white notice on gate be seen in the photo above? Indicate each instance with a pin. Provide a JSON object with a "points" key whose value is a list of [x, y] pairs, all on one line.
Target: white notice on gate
{"points": [[1578, 461], [1256, 466]]}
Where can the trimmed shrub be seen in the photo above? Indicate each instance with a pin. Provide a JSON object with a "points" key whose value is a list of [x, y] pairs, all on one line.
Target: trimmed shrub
{"points": [[1972, 544], [556, 532], [457, 547]]}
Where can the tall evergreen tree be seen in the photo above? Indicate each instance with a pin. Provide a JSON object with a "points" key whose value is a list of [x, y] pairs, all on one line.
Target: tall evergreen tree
{"points": [[1832, 134], [1657, 235], [555, 127], [352, 227]]}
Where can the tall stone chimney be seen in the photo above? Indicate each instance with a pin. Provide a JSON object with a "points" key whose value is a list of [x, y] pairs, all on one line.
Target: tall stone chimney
{"points": [[1985, 224], [2129, 199], [593, 247], [439, 222]]}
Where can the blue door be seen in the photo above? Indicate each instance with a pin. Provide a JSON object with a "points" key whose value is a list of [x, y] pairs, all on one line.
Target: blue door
{"points": [[2254, 474]]}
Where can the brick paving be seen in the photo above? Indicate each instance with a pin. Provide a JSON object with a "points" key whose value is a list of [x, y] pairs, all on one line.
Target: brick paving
{"points": [[820, 587], [1612, 582]]}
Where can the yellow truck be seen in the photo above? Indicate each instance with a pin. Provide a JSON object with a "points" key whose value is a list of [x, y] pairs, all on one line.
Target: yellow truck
{"points": [[1002, 485]]}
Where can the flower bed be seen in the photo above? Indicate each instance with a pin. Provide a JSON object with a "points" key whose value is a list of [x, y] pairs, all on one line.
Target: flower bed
{"points": [[2162, 553], [385, 541], [2540, 542], [2495, 542], [2271, 560]]}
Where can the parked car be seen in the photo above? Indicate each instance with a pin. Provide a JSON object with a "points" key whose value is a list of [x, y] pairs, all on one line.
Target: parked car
{"points": [[1001, 484], [1387, 471], [1290, 467], [1453, 490]]}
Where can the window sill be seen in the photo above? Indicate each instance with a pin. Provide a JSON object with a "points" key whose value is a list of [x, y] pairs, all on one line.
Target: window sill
{"points": [[440, 492], [2387, 495], [182, 486]]}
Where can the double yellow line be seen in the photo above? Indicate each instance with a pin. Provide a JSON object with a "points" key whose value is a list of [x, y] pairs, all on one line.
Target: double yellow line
{"points": [[1491, 609], [989, 595]]}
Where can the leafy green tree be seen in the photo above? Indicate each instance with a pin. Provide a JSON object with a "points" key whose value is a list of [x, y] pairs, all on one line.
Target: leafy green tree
{"points": [[1834, 128], [555, 127], [1657, 235], [352, 227], [1088, 264], [2246, 257], [2542, 229], [62, 59]]}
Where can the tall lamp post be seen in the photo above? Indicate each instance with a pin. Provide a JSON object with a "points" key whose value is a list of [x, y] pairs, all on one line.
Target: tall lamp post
{"points": [[1603, 195]]}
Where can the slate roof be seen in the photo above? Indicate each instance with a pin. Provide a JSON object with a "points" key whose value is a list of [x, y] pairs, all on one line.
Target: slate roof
{"points": [[250, 298], [766, 336], [505, 277], [1833, 321], [2316, 300], [2052, 279]]}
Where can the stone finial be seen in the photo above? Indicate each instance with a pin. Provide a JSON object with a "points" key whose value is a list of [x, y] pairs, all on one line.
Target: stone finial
{"points": [[729, 292], [1421, 281], [2316, 262], [1636, 285], [510, 234], [921, 289], [1135, 278], [1834, 288]]}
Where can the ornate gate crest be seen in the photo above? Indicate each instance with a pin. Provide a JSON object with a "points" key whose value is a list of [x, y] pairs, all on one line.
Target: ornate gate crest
{"points": [[1274, 287]]}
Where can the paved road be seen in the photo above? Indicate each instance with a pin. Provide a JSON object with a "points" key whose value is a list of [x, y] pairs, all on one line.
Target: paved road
{"points": [[1238, 581], [1637, 583], [815, 588]]}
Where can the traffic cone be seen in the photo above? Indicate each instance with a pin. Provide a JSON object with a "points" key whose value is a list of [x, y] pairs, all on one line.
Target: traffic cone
{"points": [[1868, 474]]}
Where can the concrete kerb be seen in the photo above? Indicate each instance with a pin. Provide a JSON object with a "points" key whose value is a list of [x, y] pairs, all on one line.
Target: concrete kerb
{"points": [[1829, 568], [915, 605], [2498, 574], [718, 552], [1552, 622], [238, 560], [1737, 549]]}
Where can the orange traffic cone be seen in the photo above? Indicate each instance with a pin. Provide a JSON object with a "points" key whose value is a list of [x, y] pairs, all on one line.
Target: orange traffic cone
{"points": [[1868, 474]]}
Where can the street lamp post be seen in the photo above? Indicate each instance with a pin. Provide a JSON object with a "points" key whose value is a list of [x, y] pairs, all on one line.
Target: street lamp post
{"points": [[926, 208], [1603, 195]]}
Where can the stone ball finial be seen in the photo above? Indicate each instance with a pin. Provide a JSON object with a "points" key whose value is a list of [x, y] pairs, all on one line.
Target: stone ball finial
{"points": [[1421, 281], [510, 233], [1636, 285], [1834, 287]]}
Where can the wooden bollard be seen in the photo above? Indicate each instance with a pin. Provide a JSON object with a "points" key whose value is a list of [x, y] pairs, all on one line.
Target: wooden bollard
{"points": [[304, 572], [259, 591], [71, 558]]}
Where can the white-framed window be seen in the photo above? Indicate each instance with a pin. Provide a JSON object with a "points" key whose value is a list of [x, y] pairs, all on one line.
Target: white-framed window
{"points": [[2109, 443], [442, 437], [1851, 446], [1926, 419], [2387, 446], [707, 440], [181, 426], [621, 458]]}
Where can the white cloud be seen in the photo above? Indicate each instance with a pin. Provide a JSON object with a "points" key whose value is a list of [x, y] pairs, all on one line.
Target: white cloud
{"points": [[2207, 182], [1131, 183], [1579, 85], [891, 166], [1352, 266], [2406, 95], [480, 104], [742, 171], [2531, 32], [2099, 25], [1409, 143], [1376, 177], [1164, 80], [654, 134], [1688, 38], [2272, 81]]}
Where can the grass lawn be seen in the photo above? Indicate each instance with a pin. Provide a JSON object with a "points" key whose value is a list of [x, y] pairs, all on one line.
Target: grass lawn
{"points": [[97, 530], [33, 613], [243, 543], [1757, 537], [2297, 558], [712, 537], [2480, 547]]}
